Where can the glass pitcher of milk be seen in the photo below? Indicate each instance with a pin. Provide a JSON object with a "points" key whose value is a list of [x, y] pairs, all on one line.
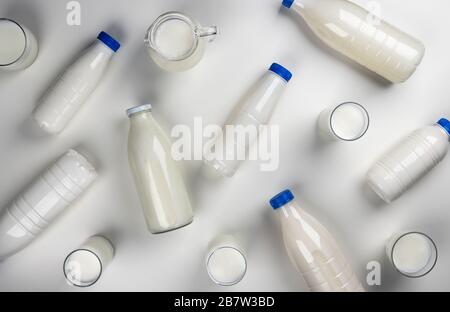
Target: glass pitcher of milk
{"points": [[18, 46], [176, 42]]}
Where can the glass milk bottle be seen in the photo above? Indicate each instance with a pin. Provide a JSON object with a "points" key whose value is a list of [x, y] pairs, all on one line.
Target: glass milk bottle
{"points": [[176, 42], [225, 155], [409, 161], [18, 46], [354, 32], [158, 179], [312, 248], [63, 100], [32, 211]]}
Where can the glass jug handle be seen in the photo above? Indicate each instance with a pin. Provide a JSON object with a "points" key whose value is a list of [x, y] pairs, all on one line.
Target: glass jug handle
{"points": [[207, 32]]}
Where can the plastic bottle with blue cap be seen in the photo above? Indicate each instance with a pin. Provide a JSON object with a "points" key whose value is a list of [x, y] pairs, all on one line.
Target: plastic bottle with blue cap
{"points": [[73, 87], [312, 249], [254, 111], [409, 160], [361, 36]]}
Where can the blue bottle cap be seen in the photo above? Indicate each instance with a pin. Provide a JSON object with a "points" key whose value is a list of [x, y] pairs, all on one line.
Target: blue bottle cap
{"points": [[112, 43], [288, 3], [444, 123], [281, 199], [281, 71]]}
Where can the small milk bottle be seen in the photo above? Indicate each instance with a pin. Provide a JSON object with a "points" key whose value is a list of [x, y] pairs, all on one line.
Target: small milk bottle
{"points": [[43, 200], [361, 36], [228, 149], [312, 248], [410, 160], [63, 100], [157, 177]]}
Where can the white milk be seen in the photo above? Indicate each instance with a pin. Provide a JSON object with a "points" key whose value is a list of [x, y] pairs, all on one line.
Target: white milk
{"points": [[18, 46], [254, 111], [174, 38], [73, 87], [12, 42], [84, 266], [158, 179], [226, 262], [348, 122], [176, 42], [412, 253], [356, 33], [43, 200], [226, 266], [312, 249], [409, 160]]}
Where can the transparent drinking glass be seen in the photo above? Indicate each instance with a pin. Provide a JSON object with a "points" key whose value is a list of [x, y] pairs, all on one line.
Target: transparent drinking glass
{"points": [[84, 266], [18, 46], [176, 42], [412, 254], [226, 262], [348, 121]]}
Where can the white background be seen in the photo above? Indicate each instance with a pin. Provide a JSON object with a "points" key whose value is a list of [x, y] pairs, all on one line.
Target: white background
{"points": [[254, 33]]}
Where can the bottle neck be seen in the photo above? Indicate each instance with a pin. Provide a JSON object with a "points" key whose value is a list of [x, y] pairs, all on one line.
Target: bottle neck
{"points": [[443, 131], [285, 211], [299, 6], [140, 117], [99, 45]]}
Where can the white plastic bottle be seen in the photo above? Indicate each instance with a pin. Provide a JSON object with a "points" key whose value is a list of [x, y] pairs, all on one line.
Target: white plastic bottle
{"points": [[43, 200], [312, 248], [158, 179], [411, 159], [63, 100], [361, 36], [255, 111]]}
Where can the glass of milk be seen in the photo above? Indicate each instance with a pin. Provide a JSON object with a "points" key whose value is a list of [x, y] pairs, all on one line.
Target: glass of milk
{"points": [[226, 262], [18, 46], [176, 42], [413, 254], [84, 266], [348, 121]]}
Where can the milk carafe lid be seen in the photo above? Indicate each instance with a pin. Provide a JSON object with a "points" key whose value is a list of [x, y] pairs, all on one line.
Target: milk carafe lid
{"points": [[138, 109], [444, 123], [109, 41], [281, 71], [288, 3], [281, 199]]}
